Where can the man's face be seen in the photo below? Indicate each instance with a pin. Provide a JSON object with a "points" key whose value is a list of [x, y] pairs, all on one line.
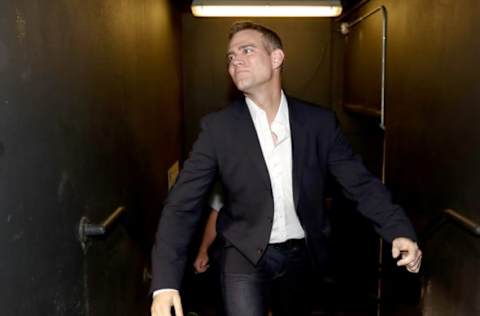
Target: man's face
{"points": [[250, 64]]}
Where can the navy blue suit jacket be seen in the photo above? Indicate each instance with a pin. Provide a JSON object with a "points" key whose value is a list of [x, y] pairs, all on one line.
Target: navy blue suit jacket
{"points": [[228, 148]]}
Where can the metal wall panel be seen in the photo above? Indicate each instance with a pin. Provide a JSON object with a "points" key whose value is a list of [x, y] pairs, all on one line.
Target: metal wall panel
{"points": [[89, 103]]}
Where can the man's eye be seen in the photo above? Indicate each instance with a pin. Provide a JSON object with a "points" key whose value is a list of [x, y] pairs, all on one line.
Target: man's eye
{"points": [[247, 50]]}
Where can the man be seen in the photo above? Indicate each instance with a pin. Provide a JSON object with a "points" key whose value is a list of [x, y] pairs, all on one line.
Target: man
{"points": [[202, 260], [272, 154]]}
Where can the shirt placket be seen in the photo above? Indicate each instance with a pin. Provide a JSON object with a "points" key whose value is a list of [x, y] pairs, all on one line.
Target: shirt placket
{"points": [[278, 183]]}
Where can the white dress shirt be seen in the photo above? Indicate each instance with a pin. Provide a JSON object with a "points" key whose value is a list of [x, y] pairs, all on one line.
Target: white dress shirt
{"points": [[278, 158]]}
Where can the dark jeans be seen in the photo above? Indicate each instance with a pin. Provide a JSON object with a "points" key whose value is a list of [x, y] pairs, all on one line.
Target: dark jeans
{"points": [[279, 282]]}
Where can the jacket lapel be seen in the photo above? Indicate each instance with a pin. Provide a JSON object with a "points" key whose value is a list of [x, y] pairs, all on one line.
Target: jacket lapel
{"points": [[248, 140], [298, 133]]}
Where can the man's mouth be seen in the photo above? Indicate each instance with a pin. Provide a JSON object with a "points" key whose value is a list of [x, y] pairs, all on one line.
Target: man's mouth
{"points": [[241, 71]]}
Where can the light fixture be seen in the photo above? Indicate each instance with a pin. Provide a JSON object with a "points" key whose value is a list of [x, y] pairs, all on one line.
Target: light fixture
{"points": [[266, 8]]}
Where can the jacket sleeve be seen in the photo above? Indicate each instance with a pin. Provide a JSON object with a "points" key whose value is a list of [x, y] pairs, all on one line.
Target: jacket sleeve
{"points": [[182, 212], [373, 199]]}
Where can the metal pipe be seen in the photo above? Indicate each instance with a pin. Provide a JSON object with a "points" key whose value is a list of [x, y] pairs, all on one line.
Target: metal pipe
{"points": [[353, 9], [466, 222], [86, 229], [345, 29], [107, 223], [367, 111]]}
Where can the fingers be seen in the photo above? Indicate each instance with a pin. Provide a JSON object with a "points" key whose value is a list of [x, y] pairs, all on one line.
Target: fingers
{"points": [[160, 310], [163, 302], [414, 266], [201, 264], [164, 311], [177, 305], [401, 244], [201, 269], [411, 256], [395, 252], [408, 256], [405, 247], [197, 265]]}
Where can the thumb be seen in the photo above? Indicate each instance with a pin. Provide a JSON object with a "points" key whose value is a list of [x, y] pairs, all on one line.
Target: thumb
{"points": [[395, 250]]}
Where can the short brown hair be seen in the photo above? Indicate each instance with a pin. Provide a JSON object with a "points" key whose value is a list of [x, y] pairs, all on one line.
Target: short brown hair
{"points": [[271, 39]]}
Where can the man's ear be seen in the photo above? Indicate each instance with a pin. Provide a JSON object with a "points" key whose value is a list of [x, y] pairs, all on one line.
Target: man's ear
{"points": [[277, 57]]}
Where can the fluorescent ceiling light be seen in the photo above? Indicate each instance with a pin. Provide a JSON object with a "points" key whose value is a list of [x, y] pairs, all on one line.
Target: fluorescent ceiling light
{"points": [[286, 8]]}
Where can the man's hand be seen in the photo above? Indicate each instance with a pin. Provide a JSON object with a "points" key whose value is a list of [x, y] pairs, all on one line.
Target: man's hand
{"points": [[201, 262], [411, 254], [163, 302]]}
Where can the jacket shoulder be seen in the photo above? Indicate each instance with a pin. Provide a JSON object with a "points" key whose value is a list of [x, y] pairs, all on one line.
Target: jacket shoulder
{"points": [[310, 112], [222, 116]]}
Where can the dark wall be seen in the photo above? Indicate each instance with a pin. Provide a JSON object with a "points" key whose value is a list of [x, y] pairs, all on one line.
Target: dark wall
{"points": [[356, 80], [432, 75], [89, 104], [432, 136]]}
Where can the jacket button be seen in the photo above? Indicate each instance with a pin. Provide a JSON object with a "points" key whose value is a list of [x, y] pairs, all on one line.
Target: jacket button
{"points": [[259, 251]]}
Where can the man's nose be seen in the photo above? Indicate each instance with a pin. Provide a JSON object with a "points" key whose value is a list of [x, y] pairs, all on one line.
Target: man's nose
{"points": [[237, 60]]}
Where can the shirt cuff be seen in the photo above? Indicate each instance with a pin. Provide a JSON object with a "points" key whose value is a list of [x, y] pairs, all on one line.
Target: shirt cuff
{"points": [[164, 290]]}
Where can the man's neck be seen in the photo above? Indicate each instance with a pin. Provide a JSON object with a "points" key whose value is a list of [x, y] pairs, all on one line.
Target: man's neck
{"points": [[269, 102]]}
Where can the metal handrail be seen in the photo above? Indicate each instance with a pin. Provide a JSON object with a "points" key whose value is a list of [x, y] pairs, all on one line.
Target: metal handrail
{"points": [[367, 111], [351, 10], [86, 229], [464, 221], [345, 29]]}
